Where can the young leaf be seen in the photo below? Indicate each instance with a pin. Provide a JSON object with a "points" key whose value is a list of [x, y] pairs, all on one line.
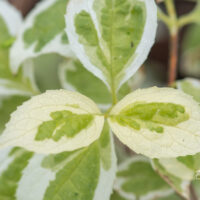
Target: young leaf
{"points": [[8, 104], [23, 82], [158, 122], [39, 35], [180, 185], [137, 180], [80, 174], [111, 38], [53, 122]]}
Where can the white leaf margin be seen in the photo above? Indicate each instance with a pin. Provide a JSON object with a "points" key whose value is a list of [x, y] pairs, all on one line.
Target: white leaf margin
{"points": [[19, 53], [107, 177], [119, 182], [8, 12], [76, 6], [23, 125]]}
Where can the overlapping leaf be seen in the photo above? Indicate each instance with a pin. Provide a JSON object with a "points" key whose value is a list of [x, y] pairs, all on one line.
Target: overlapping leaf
{"points": [[111, 38]]}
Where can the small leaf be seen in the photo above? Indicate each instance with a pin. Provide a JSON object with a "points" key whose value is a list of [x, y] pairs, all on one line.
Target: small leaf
{"points": [[53, 122], [137, 180], [111, 38], [39, 35], [158, 122]]}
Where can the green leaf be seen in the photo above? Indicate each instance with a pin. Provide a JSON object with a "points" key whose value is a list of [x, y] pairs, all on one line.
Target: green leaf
{"points": [[181, 186], [8, 104], [190, 86], [38, 35], [22, 83], [151, 116], [158, 122], [9, 178], [110, 37], [53, 122], [80, 174], [73, 76], [137, 180], [63, 123]]}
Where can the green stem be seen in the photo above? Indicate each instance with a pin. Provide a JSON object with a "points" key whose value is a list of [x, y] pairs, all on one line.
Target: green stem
{"points": [[114, 95], [173, 26]]}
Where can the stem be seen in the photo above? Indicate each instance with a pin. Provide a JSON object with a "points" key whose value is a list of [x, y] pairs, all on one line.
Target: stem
{"points": [[173, 58], [173, 28], [114, 94], [193, 195]]}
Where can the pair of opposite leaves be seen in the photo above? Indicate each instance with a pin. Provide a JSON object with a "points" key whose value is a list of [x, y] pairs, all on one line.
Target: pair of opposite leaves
{"points": [[155, 122]]}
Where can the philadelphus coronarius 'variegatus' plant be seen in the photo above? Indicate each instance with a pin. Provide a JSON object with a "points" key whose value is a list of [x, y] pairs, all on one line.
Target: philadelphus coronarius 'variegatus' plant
{"points": [[63, 140]]}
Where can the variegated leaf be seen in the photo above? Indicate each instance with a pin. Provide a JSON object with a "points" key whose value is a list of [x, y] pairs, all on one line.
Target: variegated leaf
{"points": [[73, 76], [158, 122], [137, 180], [54, 122], [80, 174], [23, 82], [112, 38], [41, 33]]}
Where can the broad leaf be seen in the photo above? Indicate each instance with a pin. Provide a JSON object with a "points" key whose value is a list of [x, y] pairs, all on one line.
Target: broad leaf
{"points": [[158, 122], [137, 180], [53, 122], [111, 37], [22, 83], [80, 174], [42, 33], [8, 104], [180, 185]]}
